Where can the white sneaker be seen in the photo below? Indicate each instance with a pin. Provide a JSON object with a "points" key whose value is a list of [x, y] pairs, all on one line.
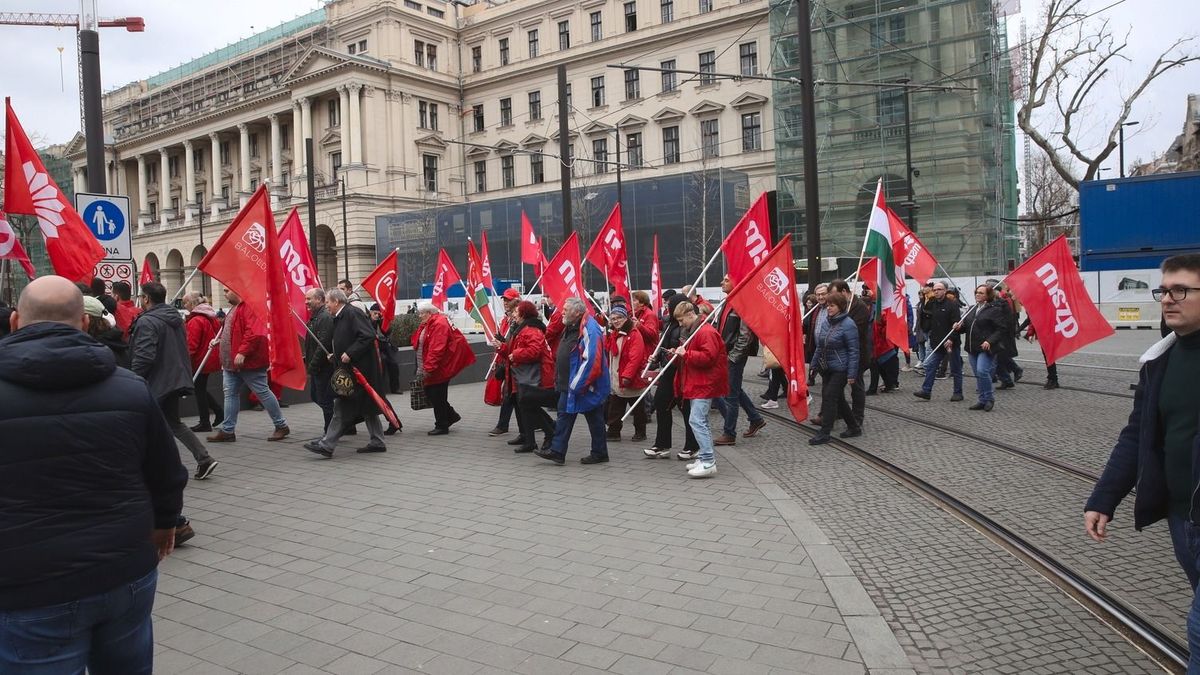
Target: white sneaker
{"points": [[655, 453], [703, 470], [691, 465], [686, 454], [769, 405]]}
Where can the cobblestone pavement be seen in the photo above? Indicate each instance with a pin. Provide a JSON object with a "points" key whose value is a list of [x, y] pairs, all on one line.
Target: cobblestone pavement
{"points": [[452, 555]]}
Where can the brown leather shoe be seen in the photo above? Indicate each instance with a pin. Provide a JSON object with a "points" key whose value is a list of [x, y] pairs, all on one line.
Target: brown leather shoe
{"points": [[724, 439], [280, 433], [221, 437], [755, 427]]}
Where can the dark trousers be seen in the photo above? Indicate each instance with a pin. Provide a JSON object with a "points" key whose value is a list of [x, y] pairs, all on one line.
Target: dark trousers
{"points": [[776, 382], [616, 409], [738, 398], [833, 402], [664, 400], [444, 414], [858, 399], [566, 423], [170, 410], [206, 403], [321, 391], [1185, 537], [531, 413], [888, 370], [506, 411]]}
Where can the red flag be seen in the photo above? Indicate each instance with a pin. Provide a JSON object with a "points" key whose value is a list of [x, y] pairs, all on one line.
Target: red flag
{"points": [[29, 190], [542, 263], [147, 274], [531, 246], [300, 270], [1063, 315], [563, 278], [11, 249], [896, 329], [381, 284], [477, 301], [655, 282], [246, 260], [485, 263], [749, 241], [445, 277], [909, 252], [767, 301], [869, 274], [608, 254]]}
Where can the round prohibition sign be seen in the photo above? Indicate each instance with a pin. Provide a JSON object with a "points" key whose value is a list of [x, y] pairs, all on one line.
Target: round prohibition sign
{"points": [[124, 271], [106, 270]]}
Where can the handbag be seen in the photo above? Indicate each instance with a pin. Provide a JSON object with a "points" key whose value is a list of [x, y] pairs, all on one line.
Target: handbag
{"points": [[416, 395], [493, 393], [343, 383]]}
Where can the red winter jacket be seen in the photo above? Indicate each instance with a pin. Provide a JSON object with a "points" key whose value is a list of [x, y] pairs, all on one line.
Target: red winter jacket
{"points": [[649, 326], [705, 369], [248, 336], [554, 330], [201, 329], [631, 350], [126, 312], [446, 349], [529, 347]]}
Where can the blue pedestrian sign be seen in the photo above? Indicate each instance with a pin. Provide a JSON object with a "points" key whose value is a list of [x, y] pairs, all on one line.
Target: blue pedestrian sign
{"points": [[107, 218]]}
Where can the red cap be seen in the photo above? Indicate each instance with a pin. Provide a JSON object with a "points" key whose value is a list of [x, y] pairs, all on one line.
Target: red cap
{"points": [[511, 294]]}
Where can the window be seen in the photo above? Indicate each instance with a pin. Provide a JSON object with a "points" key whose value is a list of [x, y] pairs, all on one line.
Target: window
{"points": [[476, 59], [477, 114], [253, 146], [431, 56], [175, 200], [352, 48], [708, 66], [152, 172], [535, 105], [504, 51], [710, 138], [427, 115], [633, 87], [224, 194], [436, 13], [419, 53], [670, 79], [705, 6], [597, 26], [153, 211], [630, 16], [198, 160], [751, 132], [537, 172], [199, 197], [891, 106], [412, 5], [253, 187], [633, 149], [600, 154], [505, 112], [362, 46], [597, 91], [429, 167], [225, 159], [670, 145], [507, 171], [335, 110], [749, 57], [887, 30], [564, 34], [668, 10], [571, 159], [568, 95], [481, 176], [173, 167], [335, 161], [533, 43]]}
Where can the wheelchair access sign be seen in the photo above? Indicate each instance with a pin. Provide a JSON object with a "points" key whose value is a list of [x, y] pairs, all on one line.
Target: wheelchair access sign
{"points": [[107, 217]]}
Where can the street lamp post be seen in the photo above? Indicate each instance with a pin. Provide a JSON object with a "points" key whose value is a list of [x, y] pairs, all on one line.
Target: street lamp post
{"points": [[1121, 145]]}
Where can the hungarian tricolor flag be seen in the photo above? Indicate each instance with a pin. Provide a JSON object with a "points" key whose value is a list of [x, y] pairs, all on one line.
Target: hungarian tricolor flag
{"points": [[381, 284], [563, 278], [29, 190], [444, 277], [608, 253], [1060, 309], [300, 271], [246, 260], [749, 241], [910, 254], [655, 282], [485, 263], [11, 249], [767, 301], [476, 300], [888, 279], [147, 274]]}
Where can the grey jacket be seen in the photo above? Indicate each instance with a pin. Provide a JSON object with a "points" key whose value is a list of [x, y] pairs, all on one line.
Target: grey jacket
{"points": [[159, 350]]}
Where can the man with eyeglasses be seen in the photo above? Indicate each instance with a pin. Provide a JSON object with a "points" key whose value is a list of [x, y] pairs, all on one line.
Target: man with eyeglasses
{"points": [[938, 317], [1157, 450]]}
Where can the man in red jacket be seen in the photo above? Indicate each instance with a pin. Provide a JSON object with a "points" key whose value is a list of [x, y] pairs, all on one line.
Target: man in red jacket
{"points": [[127, 309], [244, 360], [201, 326], [626, 348], [703, 376]]}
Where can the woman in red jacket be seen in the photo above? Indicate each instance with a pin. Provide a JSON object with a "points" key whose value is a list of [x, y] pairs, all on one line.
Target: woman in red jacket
{"points": [[202, 326], [442, 352], [531, 374], [703, 376], [627, 349]]}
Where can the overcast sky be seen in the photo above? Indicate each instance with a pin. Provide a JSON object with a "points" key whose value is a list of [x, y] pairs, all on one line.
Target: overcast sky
{"points": [[179, 31]]}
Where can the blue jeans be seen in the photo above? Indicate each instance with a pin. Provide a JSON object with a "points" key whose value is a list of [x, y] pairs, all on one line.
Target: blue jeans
{"points": [[983, 363], [934, 361], [232, 380], [1185, 537], [735, 398], [109, 633], [597, 427], [698, 421]]}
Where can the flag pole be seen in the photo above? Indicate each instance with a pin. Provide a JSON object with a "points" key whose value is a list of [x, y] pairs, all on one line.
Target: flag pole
{"points": [[211, 345], [179, 293], [486, 333], [704, 270], [867, 236], [708, 319]]}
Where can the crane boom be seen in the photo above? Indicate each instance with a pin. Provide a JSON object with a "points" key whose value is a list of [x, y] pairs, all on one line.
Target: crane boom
{"points": [[133, 24]]}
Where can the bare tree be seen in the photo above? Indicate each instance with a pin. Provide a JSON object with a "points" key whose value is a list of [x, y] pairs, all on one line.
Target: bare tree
{"points": [[1049, 206], [1065, 68], [702, 226]]}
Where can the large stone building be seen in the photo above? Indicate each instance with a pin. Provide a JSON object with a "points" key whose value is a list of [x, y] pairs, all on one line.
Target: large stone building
{"points": [[412, 105]]}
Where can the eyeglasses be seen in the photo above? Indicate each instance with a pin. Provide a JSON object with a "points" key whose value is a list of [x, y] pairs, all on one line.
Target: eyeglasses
{"points": [[1177, 293]]}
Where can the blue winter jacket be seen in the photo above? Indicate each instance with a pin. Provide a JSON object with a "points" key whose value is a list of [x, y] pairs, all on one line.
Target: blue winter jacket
{"points": [[837, 344], [589, 386]]}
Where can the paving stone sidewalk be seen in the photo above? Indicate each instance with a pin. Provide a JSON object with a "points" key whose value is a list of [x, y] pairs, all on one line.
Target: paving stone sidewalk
{"points": [[451, 554]]}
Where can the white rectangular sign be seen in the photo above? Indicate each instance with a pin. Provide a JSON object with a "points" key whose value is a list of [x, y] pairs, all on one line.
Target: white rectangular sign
{"points": [[107, 216]]}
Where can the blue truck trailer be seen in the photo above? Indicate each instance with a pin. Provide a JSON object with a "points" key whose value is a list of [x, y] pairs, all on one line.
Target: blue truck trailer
{"points": [[1134, 223]]}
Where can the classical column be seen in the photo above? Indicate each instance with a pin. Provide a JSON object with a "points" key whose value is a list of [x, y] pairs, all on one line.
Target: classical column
{"points": [[344, 100], [214, 174], [143, 200], [276, 154], [355, 124], [305, 134], [244, 162], [189, 182], [78, 177], [164, 187]]}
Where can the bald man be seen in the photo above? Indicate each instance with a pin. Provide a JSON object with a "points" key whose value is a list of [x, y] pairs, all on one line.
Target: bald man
{"points": [[93, 490]]}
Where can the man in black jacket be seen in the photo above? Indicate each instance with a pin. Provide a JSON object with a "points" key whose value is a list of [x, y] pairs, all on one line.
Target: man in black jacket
{"points": [[863, 315], [93, 487], [938, 317], [316, 353], [353, 347], [740, 345], [160, 356]]}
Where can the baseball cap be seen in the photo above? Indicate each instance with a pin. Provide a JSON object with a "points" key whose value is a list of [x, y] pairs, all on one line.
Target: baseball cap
{"points": [[511, 294], [94, 308]]}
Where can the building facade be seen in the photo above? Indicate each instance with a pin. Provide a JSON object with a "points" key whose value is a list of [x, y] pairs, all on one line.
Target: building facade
{"points": [[414, 105]]}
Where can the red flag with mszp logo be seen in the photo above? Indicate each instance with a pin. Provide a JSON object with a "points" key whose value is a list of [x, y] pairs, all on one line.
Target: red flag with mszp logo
{"points": [[563, 277], [767, 301], [381, 284], [749, 241], [1059, 307], [299, 269], [246, 260]]}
